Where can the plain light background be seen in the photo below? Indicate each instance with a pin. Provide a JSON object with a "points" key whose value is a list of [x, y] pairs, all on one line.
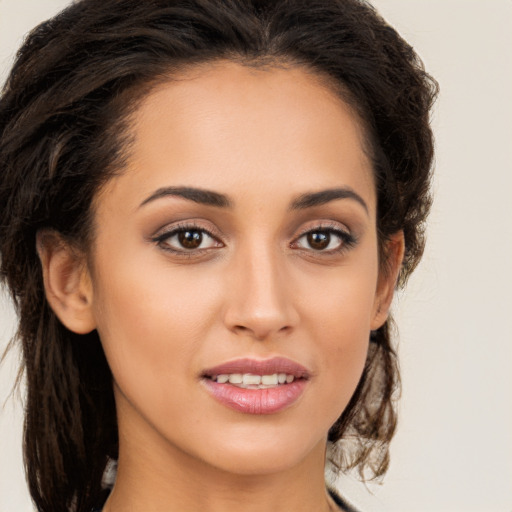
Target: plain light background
{"points": [[453, 449]]}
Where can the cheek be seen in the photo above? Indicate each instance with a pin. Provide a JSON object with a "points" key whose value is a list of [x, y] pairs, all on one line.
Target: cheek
{"points": [[151, 319], [342, 345], [338, 311], [341, 302]]}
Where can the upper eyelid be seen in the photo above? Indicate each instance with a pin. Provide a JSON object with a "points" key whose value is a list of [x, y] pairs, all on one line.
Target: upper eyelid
{"points": [[347, 237], [216, 233], [173, 232], [162, 239], [333, 226], [173, 228]]}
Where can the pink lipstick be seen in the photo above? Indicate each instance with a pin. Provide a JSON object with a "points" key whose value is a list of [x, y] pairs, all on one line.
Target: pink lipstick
{"points": [[257, 387]]}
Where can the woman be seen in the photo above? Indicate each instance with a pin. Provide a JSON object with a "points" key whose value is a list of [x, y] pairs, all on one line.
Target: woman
{"points": [[206, 207]]}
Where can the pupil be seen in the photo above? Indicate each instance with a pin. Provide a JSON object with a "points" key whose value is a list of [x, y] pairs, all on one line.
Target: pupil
{"points": [[190, 239], [319, 240]]}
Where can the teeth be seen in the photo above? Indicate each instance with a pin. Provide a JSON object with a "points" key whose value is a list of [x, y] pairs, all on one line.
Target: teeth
{"points": [[235, 378], [269, 380], [249, 380]]}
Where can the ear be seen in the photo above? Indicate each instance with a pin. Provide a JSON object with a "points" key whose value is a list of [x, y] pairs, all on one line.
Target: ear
{"points": [[388, 276], [67, 282]]}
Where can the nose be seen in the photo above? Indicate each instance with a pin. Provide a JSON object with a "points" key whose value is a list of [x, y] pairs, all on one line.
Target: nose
{"points": [[260, 298]]}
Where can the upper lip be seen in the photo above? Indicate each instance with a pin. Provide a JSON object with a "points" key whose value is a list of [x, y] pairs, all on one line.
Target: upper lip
{"points": [[259, 367]]}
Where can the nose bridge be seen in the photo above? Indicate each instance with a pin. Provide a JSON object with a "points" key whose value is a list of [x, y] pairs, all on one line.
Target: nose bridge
{"points": [[260, 304]]}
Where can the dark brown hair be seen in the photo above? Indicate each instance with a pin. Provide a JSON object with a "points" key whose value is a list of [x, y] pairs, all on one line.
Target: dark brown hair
{"points": [[63, 132]]}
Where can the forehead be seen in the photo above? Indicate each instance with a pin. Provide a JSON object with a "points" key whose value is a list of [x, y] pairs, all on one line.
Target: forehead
{"points": [[226, 125]]}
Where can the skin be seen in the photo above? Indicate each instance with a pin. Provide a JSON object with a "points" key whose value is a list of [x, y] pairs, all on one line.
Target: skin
{"points": [[256, 288]]}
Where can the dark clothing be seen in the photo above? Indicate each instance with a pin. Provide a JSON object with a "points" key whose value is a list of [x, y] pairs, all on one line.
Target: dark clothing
{"points": [[346, 507]]}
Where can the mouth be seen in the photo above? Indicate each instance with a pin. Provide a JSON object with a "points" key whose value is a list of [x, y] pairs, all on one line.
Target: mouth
{"points": [[252, 381], [257, 387]]}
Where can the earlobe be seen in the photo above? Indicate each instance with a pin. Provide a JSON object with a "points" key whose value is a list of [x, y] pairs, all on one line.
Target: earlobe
{"points": [[67, 282], [388, 276]]}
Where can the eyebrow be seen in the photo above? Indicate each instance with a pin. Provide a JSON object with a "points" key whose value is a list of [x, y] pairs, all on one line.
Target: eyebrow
{"points": [[210, 198], [325, 196], [198, 195]]}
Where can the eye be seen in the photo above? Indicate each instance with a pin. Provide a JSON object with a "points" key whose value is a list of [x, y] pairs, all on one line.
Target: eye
{"points": [[325, 240], [187, 239]]}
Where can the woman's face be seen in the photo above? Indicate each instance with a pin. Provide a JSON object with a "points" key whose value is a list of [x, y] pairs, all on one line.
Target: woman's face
{"points": [[240, 239]]}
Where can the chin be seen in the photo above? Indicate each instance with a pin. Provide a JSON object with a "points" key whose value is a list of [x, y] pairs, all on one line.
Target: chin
{"points": [[265, 452]]}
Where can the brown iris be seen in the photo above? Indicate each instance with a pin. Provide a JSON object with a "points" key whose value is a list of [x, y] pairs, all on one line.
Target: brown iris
{"points": [[319, 240], [190, 239]]}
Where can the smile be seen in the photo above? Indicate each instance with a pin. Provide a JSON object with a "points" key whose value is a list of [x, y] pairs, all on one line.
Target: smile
{"points": [[257, 387], [251, 381]]}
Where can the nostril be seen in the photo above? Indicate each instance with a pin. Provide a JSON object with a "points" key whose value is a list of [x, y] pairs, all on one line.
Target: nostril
{"points": [[260, 333]]}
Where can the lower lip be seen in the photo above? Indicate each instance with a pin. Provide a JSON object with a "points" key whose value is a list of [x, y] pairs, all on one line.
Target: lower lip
{"points": [[257, 401]]}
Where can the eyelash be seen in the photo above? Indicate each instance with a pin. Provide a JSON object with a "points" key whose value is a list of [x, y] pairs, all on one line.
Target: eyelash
{"points": [[162, 238], [347, 240]]}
